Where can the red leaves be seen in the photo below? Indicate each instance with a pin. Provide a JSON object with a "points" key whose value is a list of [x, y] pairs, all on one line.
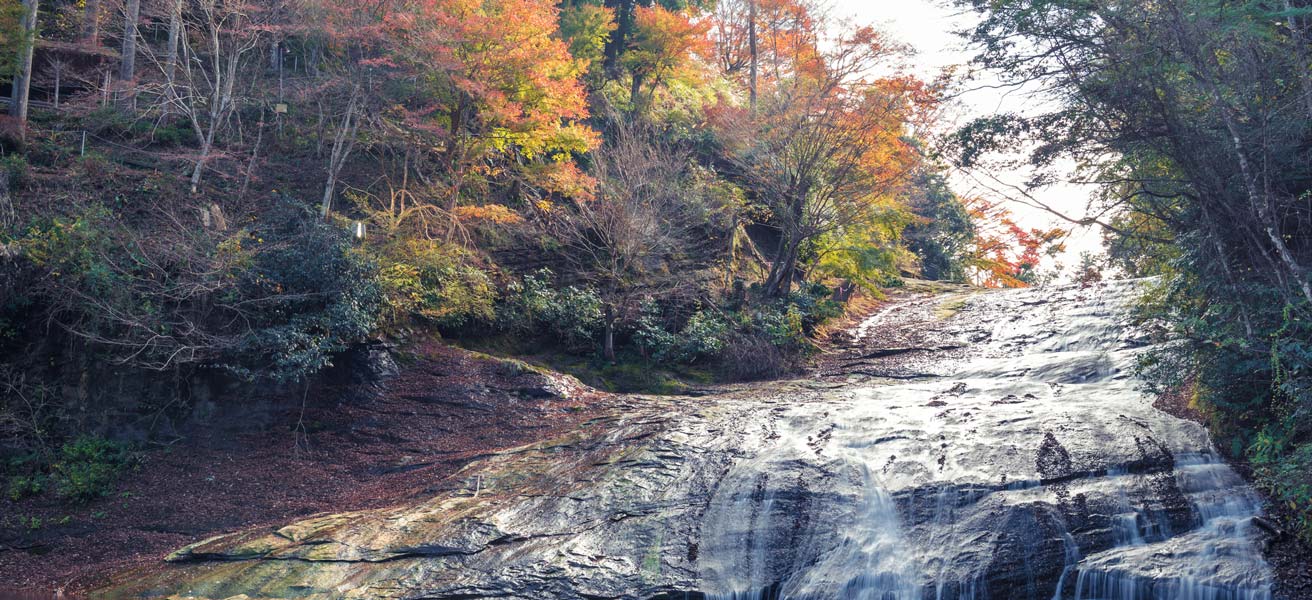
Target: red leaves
{"points": [[1007, 254]]}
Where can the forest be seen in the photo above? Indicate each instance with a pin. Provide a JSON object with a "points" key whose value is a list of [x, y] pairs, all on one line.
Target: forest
{"points": [[247, 188], [204, 198]]}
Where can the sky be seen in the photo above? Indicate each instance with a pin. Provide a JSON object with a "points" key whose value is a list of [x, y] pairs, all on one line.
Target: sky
{"points": [[928, 26]]}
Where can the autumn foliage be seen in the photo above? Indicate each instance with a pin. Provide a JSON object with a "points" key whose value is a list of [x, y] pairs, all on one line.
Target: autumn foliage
{"points": [[672, 161], [1006, 254]]}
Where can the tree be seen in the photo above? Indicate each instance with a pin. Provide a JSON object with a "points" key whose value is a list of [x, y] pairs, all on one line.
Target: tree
{"points": [[586, 28], [128, 58], [618, 237], [214, 41], [1006, 254], [355, 59], [944, 234], [665, 44], [495, 93], [23, 75], [91, 23], [737, 41], [1200, 95], [826, 144]]}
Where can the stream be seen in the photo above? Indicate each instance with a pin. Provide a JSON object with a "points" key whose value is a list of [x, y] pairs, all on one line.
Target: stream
{"points": [[990, 445]]}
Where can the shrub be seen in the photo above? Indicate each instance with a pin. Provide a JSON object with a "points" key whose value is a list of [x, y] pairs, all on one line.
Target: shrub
{"points": [[433, 282], [702, 337], [1287, 476], [16, 169], [89, 466], [107, 120], [177, 134], [275, 299], [313, 291], [747, 357], [782, 325], [816, 305], [571, 316], [1243, 354], [650, 335], [22, 486]]}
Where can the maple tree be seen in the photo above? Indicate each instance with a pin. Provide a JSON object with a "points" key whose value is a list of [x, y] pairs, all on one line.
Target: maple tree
{"points": [[587, 28], [665, 44], [758, 42], [1006, 254], [827, 143], [493, 88]]}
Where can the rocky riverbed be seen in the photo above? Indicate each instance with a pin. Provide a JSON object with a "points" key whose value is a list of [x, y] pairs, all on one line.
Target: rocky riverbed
{"points": [[998, 448]]}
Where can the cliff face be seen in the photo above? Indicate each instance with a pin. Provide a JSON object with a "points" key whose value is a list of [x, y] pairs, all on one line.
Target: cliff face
{"points": [[1001, 451]]}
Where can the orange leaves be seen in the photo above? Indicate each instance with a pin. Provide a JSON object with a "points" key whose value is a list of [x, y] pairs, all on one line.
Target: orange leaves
{"points": [[489, 93], [488, 213], [1006, 254], [664, 39], [564, 178], [665, 45], [499, 63]]}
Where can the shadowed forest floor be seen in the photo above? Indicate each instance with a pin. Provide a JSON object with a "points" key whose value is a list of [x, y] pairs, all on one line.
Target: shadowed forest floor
{"points": [[352, 450]]}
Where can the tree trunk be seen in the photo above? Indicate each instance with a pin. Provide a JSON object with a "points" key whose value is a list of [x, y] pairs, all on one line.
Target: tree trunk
{"points": [[619, 37], [1260, 202], [635, 92], [91, 24], [255, 152], [171, 58], [1259, 197], [342, 144], [780, 280], [453, 156], [128, 67], [751, 46], [23, 79], [205, 146], [608, 337]]}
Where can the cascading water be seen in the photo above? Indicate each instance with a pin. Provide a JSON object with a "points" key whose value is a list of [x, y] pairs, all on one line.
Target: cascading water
{"points": [[1223, 508], [1003, 453], [1033, 469]]}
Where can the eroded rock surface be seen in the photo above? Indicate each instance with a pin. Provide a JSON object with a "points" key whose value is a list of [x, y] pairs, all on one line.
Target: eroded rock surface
{"points": [[1003, 453]]}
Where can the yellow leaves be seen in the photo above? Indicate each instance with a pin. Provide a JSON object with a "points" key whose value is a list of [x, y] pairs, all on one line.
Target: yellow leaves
{"points": [[517, 87], [490, 213], [665, 45], [586, 28]]}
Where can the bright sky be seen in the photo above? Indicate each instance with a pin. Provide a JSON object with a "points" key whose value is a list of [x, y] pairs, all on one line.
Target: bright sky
{"points": [[929, 26]]}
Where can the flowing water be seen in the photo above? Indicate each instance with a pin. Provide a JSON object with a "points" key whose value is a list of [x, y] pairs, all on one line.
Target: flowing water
{"points": [[1033, 467], [980, 446]]}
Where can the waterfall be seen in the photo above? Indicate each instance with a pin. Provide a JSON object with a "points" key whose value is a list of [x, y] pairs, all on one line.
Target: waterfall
{"points": [[1006, 452], [1037, 468], [886, 571], [1223, 509]]}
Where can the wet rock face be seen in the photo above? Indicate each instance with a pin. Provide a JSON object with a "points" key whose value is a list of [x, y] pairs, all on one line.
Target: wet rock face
{"points": [[1023, 464]]}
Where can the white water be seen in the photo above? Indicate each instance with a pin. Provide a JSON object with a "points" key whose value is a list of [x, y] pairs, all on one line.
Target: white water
{"points": [[932, 489]]}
